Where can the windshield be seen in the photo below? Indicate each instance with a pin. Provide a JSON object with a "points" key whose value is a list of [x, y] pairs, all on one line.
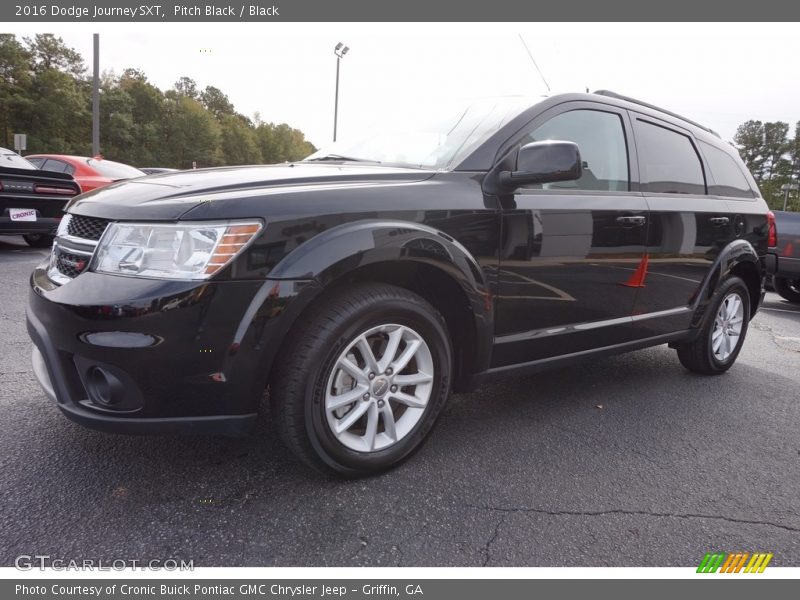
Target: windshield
{"points": [[428, 139], [13, 160], [113, 170]]}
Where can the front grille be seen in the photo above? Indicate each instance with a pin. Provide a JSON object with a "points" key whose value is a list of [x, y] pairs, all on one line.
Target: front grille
{"points": [[73, 250], [89, 228], [70, 265]]}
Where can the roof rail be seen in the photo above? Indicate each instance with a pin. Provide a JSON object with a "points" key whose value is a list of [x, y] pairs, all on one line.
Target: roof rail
{"points": [[654, 107]]}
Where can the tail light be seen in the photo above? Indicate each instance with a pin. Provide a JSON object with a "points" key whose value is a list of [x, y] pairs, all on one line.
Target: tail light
{"points": [[52, 189], [772, 235]]}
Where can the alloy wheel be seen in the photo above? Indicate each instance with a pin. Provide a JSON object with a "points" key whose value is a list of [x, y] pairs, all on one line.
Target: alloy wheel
{"points": [[727, 327], [379, 387]]}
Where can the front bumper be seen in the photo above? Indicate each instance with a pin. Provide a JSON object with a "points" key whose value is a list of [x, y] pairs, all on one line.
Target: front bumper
{"points": [[144, 356]]}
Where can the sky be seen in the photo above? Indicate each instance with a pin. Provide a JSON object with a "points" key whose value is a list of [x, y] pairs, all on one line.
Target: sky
{"points": [[717, 74]]}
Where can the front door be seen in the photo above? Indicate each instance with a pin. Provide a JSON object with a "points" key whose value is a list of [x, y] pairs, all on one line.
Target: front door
{"points": [[571, 254]]}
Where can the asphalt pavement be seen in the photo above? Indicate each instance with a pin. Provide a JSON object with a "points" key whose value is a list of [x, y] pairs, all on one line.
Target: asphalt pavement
{"points": [[625, 461]]}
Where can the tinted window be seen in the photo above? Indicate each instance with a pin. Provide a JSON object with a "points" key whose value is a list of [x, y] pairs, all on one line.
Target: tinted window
{"points": [[668, 161], [114, 170], [51, 164], [728, 177], [601, 140]]}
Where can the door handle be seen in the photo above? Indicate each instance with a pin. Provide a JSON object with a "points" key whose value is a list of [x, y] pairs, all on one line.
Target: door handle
{"points": [[631, 221], [719, 221]]}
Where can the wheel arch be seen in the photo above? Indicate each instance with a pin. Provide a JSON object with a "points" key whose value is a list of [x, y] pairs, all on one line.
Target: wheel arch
{"points": [[738, 258], [413, 256]]}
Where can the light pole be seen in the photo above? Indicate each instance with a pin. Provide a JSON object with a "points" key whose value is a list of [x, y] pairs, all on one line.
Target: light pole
{"points": [[96, 96], [786, 188], [339, 51]]}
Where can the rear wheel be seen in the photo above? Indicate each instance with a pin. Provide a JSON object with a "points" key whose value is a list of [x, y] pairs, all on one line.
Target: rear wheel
{"points": [[38, 240], [788, 289], [722, 334], [363, 380]]}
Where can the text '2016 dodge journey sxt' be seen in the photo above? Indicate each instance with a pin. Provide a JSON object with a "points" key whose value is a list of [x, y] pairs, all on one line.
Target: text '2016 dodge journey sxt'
{"points": [[362, 284]]}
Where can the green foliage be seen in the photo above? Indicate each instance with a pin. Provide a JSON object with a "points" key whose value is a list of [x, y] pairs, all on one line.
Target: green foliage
{"points": [[239, 145], [45, 91], [773, 157]]}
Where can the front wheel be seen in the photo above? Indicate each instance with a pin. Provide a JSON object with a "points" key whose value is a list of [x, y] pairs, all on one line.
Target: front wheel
{"points": [[363, 380], [38, 240], [723, 331], [788, 289]]}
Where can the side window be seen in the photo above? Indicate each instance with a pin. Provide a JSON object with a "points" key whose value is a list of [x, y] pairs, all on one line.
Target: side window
{"points": [[668, 161], [36, 162], [728, 177], [56, 166], [600, 138]]}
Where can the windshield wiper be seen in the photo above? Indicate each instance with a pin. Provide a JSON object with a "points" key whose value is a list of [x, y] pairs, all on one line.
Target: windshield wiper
{"points": [[340, 157]]}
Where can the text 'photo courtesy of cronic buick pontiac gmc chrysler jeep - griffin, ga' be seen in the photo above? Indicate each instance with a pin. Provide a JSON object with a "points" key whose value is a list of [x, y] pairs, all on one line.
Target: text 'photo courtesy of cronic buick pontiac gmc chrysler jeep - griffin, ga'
{"points": [[357, 288]]}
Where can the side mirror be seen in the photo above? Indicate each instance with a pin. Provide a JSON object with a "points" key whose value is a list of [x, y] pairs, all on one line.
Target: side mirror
{"points": [[544, 162]]}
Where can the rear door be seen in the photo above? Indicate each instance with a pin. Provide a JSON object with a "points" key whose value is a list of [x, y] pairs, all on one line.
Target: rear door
{"points": [[570, 250], [687, 227]]}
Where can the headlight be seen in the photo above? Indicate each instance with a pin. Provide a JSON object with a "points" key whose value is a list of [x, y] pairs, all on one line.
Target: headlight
{"points": [[172, 251]]}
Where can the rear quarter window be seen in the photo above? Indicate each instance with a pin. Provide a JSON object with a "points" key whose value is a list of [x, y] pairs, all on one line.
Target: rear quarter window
{"points": [[729, 180]]}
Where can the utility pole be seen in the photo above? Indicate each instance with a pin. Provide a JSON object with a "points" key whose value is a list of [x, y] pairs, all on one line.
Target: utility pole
{"points": [[96, 98]]}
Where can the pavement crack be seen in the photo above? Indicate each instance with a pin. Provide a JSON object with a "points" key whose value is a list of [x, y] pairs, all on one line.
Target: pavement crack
{"points": [[487, 549], [643, 513]]}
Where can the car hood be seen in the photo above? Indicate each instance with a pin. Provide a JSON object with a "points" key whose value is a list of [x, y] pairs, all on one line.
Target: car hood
{"points": [[168, 196]]}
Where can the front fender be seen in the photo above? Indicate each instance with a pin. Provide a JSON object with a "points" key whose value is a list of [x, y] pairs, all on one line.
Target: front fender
{"points": [[332, 254]]}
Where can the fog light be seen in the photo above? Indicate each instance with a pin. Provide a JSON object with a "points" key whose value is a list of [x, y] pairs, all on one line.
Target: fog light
{"points": [[103, 387]]}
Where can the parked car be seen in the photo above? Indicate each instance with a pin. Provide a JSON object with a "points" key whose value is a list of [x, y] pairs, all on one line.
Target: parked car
{"points": [[786, 280], [31, 201], [362, 284], [90, 173], [156, 170]]}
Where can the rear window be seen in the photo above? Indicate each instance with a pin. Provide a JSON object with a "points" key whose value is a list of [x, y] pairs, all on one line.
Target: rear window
{"points": [[668, 161], [14, 161], [114, 170], [729, 180]]}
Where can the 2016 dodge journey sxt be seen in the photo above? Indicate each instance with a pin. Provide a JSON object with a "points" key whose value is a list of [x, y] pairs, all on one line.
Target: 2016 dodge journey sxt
{"points": [[362, 284]]}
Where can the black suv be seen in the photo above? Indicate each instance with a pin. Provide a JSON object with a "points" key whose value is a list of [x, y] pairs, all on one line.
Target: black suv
{"points": [[362, 284]]}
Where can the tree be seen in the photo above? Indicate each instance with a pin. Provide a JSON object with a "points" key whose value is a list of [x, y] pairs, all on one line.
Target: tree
{"points": [[186, 86], [50, 52], [116, 118], [191, 134], [59, 120], [15, 82], [239, 145], [216, 102], [775, 147], [280, 143], [749, 138], [45, 93], [148, 117], [772, 157]]}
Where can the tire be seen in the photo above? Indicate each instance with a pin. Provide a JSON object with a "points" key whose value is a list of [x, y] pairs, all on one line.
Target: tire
{"points": [[38, 240], [728, 310], [310, 380], [788, 289]]}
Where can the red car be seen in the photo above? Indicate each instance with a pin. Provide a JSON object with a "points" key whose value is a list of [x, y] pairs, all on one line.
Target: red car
{"points": [[90, 173]]}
